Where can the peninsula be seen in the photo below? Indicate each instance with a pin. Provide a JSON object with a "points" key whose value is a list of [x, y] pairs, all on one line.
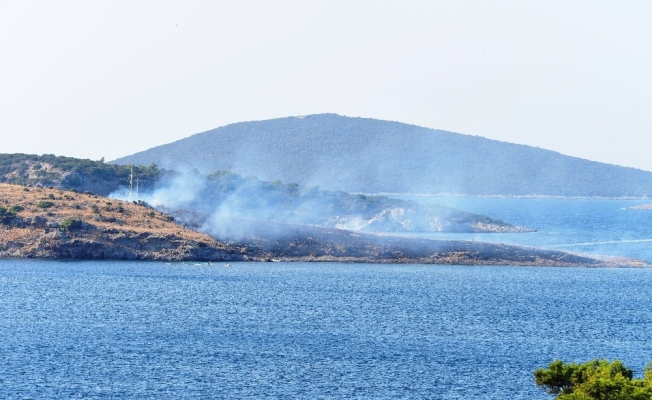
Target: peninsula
{"points": [[41, 222]]}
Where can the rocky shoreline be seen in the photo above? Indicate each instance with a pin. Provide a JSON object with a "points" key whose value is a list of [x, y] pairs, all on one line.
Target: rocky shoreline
{"points": [[58, 224], [307, 243], [100, 243]]}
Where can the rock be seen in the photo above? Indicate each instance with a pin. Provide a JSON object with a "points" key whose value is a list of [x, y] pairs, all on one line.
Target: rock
{"points": [[38, 221], [52, 224]]}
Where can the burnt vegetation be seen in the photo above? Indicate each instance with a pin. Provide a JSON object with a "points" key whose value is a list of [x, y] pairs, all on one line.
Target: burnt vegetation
{"points": [[256, 200]]}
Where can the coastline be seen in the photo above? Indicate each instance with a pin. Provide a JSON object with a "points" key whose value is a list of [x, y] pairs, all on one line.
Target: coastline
{"points": [[52, 223], [503, 196]]}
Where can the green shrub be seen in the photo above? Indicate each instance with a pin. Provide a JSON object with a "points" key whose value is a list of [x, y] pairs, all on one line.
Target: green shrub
{"points": [[16, 209], [6, 212], [44, 204], [6, 215], [70, 224]]}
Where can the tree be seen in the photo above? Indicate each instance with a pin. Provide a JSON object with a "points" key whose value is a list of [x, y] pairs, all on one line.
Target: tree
{"points": [[6, 215], [594, 380]]}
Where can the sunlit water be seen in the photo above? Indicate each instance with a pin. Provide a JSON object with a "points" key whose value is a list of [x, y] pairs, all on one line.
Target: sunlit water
{"points": [[590, 226], [156, 330], [276, 330]]}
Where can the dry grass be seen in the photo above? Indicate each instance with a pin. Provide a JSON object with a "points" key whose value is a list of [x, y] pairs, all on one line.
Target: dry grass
{"points": [[99, 211]]}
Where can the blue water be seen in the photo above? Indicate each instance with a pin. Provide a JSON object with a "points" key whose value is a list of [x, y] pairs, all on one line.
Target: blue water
{"points": [[154, 330], [274, 330], [592, 226]]}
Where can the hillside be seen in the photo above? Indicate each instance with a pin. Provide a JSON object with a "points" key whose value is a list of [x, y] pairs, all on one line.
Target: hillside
{"points": [[367, 155], [51, 223], [72, 173], [250, 198], [220, 198]]}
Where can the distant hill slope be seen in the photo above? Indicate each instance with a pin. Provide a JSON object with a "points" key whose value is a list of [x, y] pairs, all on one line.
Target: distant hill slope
{"points": [[367, 155], [227, 196], [227, 205], [72, 173]]}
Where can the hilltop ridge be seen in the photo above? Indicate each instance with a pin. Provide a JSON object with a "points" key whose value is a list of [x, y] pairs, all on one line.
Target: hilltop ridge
{"points": [[374, 156]]}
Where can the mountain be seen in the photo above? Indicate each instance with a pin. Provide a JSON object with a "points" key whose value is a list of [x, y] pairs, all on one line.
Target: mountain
{"points": [[367, 155]]}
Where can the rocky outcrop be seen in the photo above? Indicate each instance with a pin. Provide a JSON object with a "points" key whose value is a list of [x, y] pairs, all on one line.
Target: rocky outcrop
{"points": [[83, 226], [426, 218], [92, 243]]}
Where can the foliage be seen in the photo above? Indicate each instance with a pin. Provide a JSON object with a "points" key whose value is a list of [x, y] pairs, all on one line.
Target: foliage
{"points": [[70, 224], [73, 173], [6, 214], [44, 204], [597, 379]]}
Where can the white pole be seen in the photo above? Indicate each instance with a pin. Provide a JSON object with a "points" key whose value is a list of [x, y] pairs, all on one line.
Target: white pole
{"points": [[131, 181]]}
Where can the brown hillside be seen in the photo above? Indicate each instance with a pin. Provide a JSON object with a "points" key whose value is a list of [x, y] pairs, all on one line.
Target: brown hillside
{"points": [[52, 223]]}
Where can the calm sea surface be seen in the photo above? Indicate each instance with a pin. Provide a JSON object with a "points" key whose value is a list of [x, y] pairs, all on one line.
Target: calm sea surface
{"points": [[274, 330], [589, 226], [153, 330]]}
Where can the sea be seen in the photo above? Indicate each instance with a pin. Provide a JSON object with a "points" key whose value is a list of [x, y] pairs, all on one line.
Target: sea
{"points": [[156, 330], [589, 226]]}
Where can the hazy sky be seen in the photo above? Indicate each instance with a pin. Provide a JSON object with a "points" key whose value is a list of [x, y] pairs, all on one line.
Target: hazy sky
{"points": [[98, 79]]}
